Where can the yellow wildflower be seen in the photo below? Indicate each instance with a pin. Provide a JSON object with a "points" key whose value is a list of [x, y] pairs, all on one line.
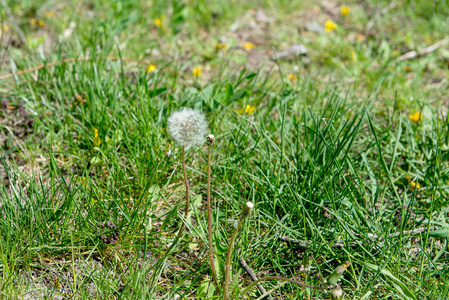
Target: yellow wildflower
{"points": [[248, 110], [344, 10], [158, 21], [220, 46], [33, 21], [416, 117], [248, 46], [151, 68], [41, 23], [330, 26], [97, 140], [5, 27], [49, 14], [408, 178], [415, 185], [292, 77], [197, 71], [86, 185]]}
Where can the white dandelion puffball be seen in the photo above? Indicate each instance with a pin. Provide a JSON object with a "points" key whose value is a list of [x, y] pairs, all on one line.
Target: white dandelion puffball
{"points": [[187, 127]]}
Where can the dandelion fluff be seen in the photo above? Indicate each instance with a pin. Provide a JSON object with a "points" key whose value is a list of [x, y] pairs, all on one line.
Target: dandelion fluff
{"points": [[187, 127]]}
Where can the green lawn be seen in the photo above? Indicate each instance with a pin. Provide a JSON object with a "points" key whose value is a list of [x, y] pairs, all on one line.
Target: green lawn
{"points": [[344, 151]]}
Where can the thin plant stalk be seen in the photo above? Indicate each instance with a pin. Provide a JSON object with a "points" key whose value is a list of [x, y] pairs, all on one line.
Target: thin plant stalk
{"points": [[209, 217], [186, 182], [246, 211]]}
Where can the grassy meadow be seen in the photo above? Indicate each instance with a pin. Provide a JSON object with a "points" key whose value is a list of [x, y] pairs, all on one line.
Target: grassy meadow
{"points": [[331, 117]]}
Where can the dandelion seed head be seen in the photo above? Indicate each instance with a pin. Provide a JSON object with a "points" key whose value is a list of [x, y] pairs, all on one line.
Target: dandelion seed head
{"points": [[187, 127]]}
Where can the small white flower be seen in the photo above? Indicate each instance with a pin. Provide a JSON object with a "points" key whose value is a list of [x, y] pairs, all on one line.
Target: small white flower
{"points": [[187, 127]]}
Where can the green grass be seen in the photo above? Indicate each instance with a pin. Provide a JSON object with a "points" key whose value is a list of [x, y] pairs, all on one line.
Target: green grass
{"points": [[328, 157]]}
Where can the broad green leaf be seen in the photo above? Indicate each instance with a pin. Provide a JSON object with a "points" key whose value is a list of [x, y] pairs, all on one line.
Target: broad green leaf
{"points": [[440, 233], [158, 91], [229, 92], [206, 289]]}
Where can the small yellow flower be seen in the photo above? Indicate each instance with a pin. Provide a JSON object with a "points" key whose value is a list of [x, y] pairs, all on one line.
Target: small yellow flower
{"points": [[5, 27], [344, 10], [197, 71], [330, 26], [292, 77], [248, 46], [248, 110], [151, 68], [158, 21], [97, 140], [415, 185], [408, 178], [41, 23], [220, 46], [33, 21], [86, 185], [416, 117], [49, 14]]}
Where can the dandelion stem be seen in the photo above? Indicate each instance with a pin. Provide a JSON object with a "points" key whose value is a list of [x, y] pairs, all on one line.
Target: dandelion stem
{"points": [[186, 182], [209, 218], [246, 211], [228, 260]]}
